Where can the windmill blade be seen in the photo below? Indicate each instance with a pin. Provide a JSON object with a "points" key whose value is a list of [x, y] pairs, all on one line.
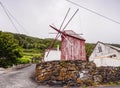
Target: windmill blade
{"points": [[71, 18], [67, 40], [54, 39], [59, 31], [57, 36], [65, 18]]}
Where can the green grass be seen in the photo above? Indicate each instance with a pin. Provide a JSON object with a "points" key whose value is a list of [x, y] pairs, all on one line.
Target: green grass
{"points": [[31, 54], [111, 84], [24, 60]]}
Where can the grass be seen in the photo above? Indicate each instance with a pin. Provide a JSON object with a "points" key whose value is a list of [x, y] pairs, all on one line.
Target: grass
{"points": [[32, 52], [109, 84], [24, 60], [113, 83], [29, 55]]}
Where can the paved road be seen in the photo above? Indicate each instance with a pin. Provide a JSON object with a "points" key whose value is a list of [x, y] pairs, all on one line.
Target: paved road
{"points": [[23, 78]]}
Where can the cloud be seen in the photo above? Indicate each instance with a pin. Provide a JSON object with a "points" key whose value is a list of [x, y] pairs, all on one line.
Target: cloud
{"points": [[37, 15]]}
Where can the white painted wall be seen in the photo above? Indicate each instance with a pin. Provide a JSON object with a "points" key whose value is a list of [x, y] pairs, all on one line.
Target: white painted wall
{"points": [[53, 55], [107, 62], [103, 58]]}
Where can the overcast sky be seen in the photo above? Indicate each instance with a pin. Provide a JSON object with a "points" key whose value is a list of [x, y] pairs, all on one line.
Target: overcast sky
{"points": [[37, 15]]}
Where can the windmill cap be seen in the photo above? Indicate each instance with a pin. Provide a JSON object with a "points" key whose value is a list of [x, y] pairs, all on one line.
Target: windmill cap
{"points": [[73, 34]]}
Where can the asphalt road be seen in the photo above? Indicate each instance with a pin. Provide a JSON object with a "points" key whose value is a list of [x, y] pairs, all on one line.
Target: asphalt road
{"points": [[24, 78]]}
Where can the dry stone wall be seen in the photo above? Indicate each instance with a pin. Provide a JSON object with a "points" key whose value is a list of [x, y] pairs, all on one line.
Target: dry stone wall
{"points": [[74, 73], [71, 73], [109, 74]]}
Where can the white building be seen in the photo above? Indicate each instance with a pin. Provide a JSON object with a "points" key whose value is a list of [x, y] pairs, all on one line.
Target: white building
{"points": [[54, 55], [105, 55]]}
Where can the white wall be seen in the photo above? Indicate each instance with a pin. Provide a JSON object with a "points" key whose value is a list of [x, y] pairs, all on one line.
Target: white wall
{"points": [[105, 51], [106, 62], [53, 55], [103, 58]]}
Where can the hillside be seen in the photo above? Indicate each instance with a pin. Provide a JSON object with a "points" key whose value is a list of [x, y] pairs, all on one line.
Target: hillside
{"points": [[30, 44], [22, 49]]}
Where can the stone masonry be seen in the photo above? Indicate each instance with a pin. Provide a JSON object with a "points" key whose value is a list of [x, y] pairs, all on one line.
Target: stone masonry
{"points": [[75, 73], [70, 73]]}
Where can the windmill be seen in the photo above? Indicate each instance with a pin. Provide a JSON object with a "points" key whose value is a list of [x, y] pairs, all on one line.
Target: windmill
{"points": [[72, 45]]}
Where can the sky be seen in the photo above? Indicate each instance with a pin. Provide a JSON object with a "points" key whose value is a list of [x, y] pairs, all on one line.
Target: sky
{"points": [[36, 16]]}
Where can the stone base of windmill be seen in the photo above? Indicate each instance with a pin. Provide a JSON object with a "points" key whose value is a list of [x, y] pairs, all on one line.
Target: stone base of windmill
{"points": [[70, 73]]}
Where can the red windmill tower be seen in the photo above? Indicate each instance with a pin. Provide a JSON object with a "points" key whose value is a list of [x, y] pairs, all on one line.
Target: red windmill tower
{"points": [[72, 44]]}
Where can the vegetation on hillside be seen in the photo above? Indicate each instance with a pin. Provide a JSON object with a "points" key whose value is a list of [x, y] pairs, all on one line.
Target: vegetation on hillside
{"points": [[9, 50], [28, 42], [22, 49], [89, 48], [117, 45]]}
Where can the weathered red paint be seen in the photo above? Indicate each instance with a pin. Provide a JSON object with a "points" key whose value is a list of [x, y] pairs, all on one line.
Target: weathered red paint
{"points": [[73, 48], [73, 45]]}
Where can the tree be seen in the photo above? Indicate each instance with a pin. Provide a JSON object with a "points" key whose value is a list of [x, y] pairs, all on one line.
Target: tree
{"points": [[9, 50], [89, 48]]}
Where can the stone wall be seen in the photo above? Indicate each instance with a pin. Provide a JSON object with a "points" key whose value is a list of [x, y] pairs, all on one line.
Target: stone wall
{"points": [[74, 73], [109, 74], [71, 73]]}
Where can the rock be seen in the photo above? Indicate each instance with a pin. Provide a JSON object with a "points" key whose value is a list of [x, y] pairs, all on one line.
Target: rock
{"points": [[109, 74], [65, 86], [40, 78], [75, 73], [79, 81], [97, 79], [63, 72]]}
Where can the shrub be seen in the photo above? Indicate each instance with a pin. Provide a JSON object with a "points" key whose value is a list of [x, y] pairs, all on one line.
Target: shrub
{"points": [[9, 50], [24, 60]]}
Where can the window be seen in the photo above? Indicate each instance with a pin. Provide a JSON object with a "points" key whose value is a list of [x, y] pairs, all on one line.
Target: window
{"points": [[99, 49], [112, 56]]}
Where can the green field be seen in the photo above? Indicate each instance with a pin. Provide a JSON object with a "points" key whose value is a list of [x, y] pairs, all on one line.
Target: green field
{"points": [[30, 55]]}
